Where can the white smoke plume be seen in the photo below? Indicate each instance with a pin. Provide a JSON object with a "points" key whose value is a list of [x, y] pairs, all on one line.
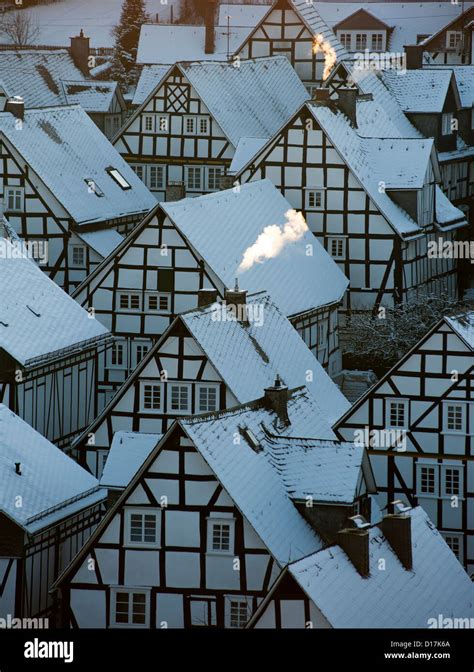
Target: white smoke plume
{"points": [[273, 239], [320, 44]]}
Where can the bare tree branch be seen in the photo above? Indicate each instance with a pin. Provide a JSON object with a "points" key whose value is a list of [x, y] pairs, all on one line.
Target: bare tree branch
{"points": [[19, 27]]}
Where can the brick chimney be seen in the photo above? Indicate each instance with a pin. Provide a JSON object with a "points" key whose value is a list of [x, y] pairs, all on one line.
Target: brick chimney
{"points": [[209, 22], [414, 55], [175, 191], [16, 106], [237, 299], [79, 51], [396, 528], [206, 297], [276, 398], [347, 103], [354, 541]]}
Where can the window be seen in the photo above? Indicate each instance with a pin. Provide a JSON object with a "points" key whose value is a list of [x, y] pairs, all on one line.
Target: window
{"points": [[14, 199], [142, 527], [337, 248], [139, 351], [446, 123], [452, 478], [130, 607], [454, 420], [454, 542], [377, 41], [396, 413], [220, 535], [180, 398], [149, 122], [117, 176], [193, 178], [345, 39], [129, 301], [203, 612], [321, 333], [427, 480], [207, 398], [117, 355], [151, 396], [163, 123], [78, 255], [139, 171], [238, 613], [112, 125], [159, 302], [213, 178], [155, 177], [454, 39], [203, 126], [190, 125], [361, 41], [314, 199]]}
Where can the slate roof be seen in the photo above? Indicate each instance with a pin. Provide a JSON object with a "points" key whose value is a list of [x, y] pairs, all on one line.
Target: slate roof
{"points": [[49, 77], [103, 242], [417, 91], [37, 318], [127, 453], [52, 485], [246, 149], [150, 77], [447, 214], [463, 325], [65, 148], [394, 598], [464, 76], [241, 15], [221, 226]]}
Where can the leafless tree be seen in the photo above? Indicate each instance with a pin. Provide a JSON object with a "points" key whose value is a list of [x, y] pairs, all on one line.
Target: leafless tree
{"points": [[19, 27]]}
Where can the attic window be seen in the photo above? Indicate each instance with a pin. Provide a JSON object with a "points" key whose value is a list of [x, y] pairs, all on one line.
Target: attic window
{"points": [[93, 187], [251, 439], [119, 178]]}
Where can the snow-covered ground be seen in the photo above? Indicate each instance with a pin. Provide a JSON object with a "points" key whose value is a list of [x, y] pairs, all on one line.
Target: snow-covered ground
{"points": [[60, 20]]}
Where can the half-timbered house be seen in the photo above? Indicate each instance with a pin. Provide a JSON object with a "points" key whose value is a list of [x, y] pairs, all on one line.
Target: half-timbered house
{"points": [[50, 77], [453, 43], [219, 507], [59, 178], [50, 350], [373, 215], [199, 242], [193, 369], [49, 506], [193, 122], [417, 422], [400, 585]]}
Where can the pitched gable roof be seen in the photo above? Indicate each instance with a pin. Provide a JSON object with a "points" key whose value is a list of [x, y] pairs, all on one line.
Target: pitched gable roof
{"points": [[91, 96], [128, 452], [422, 90], [52, 485], [66, 149], [150, 77], [37, 318], [221, 226], [361, 18]]}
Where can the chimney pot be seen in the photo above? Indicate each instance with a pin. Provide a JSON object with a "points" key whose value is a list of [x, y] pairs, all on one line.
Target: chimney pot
{"points": [[18, 468], [414, 56], [16, 106], [206, 297], [347, 103], [276, 398], [237, 299]]}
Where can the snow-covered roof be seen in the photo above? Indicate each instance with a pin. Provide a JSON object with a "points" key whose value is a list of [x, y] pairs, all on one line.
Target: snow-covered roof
{"points": [[262, 348], [127, 453], [241, 15], [103, 242], [253, 100], [463, 325], [407, 19], [464, 76], [69, 154], [367, 160], [316, 24], [37, 318], [52, 486], [165, 44], [422, 90], [394, 598], [91, 96], [447, 214], [246, 149], [223, 225], [150, 77]]}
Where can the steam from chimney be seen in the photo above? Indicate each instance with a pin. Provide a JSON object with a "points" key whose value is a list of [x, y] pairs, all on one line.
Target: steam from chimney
{"points": [[320, 44], [273, 239]]}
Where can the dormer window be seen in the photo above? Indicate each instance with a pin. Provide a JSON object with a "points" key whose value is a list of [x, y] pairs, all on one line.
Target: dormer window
{"points": [[454, 39], [377, 41], [361, 41], [117, 176]]}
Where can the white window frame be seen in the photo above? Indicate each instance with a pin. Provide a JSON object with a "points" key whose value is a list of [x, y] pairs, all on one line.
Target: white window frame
{"points": [[178, 383], [118, 178], [208, 172], [451, 466], [309, 191], [186, 175], [211, 521], [189, 119], [337, 257], [114, 590], [345, 38], [142, 511], [157, 383], [14, 192], [135, 346], [231, 599], [75, 247], [162, 123], [363, 38], [459, 537], [123, 365], [199, 130], [406, 412], [464, 407], [139, 168], [149, 173], [377, 37], [152, 118], [199, 387], [456, 34], [419, 467], [129, 293], [446, 128]]}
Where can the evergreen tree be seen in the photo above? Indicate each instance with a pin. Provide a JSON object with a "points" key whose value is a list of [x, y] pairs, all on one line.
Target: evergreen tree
{"points": [[126, 34]]}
